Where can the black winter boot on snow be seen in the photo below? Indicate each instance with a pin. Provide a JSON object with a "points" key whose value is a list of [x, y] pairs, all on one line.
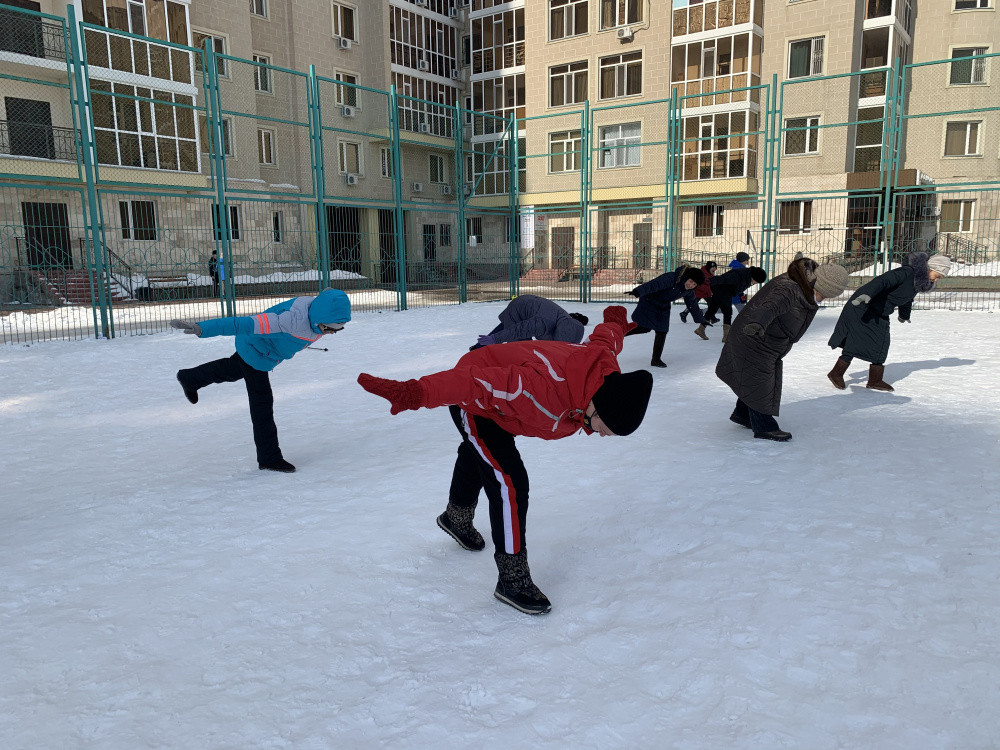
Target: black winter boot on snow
{"points": [[190, 392], [515, 587], [684, 316], [779, 436], [277, 465], [457, 523]]}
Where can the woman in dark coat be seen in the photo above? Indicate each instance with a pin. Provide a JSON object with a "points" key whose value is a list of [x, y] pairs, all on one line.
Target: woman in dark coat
{"points": [[764, 332], [655, 299], [863, 328]]}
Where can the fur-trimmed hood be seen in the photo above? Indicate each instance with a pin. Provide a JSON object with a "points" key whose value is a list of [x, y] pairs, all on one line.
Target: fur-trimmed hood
{"points": [[921, 273]]}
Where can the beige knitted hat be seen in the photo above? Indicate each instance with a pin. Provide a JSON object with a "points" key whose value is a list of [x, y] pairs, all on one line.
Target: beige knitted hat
{"points": [[831, 280]]}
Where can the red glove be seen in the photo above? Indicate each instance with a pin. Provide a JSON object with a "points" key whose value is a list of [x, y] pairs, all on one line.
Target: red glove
{"points": [[403, 395], [618, 315]]}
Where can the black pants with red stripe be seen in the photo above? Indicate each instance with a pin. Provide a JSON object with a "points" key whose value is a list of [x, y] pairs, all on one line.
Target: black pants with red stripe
{"points": [[231, 369], [488, 459]]}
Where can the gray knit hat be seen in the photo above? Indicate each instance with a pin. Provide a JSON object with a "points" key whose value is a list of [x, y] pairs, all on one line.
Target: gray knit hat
{"points": [[939, 263], [831, 280]]}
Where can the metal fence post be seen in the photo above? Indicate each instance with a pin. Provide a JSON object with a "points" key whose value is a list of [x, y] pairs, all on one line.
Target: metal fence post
{"points": [[513, 167], [397, 194], [319, 179], [585, 190], [461, 239], [213, 115]]}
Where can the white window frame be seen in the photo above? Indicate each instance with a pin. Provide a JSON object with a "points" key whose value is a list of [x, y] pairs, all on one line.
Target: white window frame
{"points": [[970, 141], [977, 5], [474, 228], [813, 71], [442, 177], [385, 156], [811, 134], [342, 160], [337, 20], [800, 227], [626, 12], [262, 83], [266, 146], [571, 156], [978, 68], [716, 214], [620, 68], [966, 214], [258, 8], [218, 40], [345, 94], [617, 146], [128, 228], [567, 74], [568, 8]]}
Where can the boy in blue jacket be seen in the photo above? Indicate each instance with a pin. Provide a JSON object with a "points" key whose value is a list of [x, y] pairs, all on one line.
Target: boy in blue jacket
{"points": [[262, 341]]}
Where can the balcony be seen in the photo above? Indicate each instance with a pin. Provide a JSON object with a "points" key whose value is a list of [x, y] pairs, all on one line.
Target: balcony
{"points": [[872, 84], [724, 83], [25, 34], [37, 141]]}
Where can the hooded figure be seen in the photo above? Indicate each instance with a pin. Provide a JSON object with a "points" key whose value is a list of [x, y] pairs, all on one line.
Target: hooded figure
{"points": [[544, 389], [656, 297], [862, 330], [529, 317], [262, 342]]}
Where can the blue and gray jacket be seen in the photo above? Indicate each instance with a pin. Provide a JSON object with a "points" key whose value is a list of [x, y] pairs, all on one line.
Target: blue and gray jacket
{"points": [[282, 331]]}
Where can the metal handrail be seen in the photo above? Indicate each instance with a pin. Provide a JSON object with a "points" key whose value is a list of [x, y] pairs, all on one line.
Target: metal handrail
{"points": [[31, 35], [46, 141]]}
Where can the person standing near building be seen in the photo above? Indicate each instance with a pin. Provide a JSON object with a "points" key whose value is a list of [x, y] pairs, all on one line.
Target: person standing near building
{"points": [[213, 271], [544, 389], [862, 330], [656, 297], [529, 317]]}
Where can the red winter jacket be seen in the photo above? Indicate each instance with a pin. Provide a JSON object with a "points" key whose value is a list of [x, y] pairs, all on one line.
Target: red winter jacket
{"points": [[704, 290], [532, 388]]}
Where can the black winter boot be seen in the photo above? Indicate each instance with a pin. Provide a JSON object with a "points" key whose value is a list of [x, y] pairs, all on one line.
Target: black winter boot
{"points": [[279, 464], [190, 392], [684, 316], [515, 587], [457, 523]]}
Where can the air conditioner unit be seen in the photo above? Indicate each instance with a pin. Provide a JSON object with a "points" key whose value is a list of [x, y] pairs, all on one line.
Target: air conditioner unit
{"points": [[625, 33], [471, 241], [423, 65], [446, 190], [467, 132], [344, 43], [417, 187], [452, 12], [469, 188], [348, 111], [424, 127], [456, 74], [351, 179], [422, 3], [931, 211]]}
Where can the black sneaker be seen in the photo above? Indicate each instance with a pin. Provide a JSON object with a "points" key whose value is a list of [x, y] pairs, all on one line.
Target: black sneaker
{"points": [[779, 436], [471, 540], [279, 465], [657, 362], [190, 392], [528, 599], [741, 421]]}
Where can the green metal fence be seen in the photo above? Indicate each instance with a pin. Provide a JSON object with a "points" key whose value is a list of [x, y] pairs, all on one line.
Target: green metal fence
{"points": [[239, 182]]}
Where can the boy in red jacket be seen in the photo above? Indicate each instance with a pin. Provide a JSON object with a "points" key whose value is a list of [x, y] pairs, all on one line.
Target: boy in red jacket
{"points": [[545, 389]]}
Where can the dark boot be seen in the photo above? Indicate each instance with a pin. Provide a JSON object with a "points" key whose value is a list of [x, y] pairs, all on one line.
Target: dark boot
{"points": [[836, 375], [741, 419], [278, 464], [190, 391], [700, 331], [515, 587], [457, 523], [659, 339], [725, 332], [875, 382], [777, 435], [684, 316]]}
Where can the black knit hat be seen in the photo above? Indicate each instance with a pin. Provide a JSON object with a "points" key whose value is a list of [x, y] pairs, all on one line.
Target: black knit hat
{"points": [[759, 275], [580, 318], [694, 274], [711, 265], [742, 257], [621, 400]]}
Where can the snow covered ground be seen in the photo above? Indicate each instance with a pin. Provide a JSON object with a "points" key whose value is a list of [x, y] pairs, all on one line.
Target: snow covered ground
{"points": [[709, 590]]}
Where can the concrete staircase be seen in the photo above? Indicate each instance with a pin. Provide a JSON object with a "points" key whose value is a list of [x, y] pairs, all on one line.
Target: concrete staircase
{"points": [[72, 287]]}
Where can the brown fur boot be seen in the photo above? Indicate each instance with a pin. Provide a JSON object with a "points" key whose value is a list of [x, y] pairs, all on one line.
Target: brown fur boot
{"points": [[836, 375], [875, 382], [700, 331]]}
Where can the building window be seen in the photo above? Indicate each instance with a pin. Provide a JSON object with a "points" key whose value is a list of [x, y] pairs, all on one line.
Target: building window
{"points": [[620, 145], [961, 139], [564, 151], [620, 12], [265, 147], [227, 138], [567, 18], [262, 74], [258, 8], [708, 221], [138, 220], [621, 75], [971, 4], [347, 95], [795, 217], [805, 58], [350, 157], [474, 229], [956, 215], [568, 83], [216, 43], [278, 226], [801, 135], [437, 175], [386, 154], [234, 222], [444, 235], [968, 72], [344, 22], [720, 146], [868, 140]]}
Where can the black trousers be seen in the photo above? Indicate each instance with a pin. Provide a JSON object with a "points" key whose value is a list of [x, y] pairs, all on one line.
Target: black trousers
{"points": [[758, 422], [231, 369], [718, 303], [488, 459], [659, 339]]}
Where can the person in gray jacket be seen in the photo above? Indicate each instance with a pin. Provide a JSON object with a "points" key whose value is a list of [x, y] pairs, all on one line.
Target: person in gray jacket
{"points": [[529, 317]]}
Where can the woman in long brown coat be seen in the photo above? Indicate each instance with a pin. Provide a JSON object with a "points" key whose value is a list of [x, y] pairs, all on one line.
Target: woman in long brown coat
{"points": [[764, 332]]}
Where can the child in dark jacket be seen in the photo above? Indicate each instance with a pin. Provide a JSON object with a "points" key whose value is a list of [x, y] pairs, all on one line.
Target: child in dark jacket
{"points": [[655, 300], [545, 389], [262, 342], [704, 289]]}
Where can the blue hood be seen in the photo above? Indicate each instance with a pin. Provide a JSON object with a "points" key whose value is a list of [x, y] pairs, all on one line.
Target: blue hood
{"points": [[330, 306]]}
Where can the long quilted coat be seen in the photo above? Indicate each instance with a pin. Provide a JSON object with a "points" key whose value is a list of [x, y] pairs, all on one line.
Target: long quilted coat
{"points": [[751, 365], [862, 330]]}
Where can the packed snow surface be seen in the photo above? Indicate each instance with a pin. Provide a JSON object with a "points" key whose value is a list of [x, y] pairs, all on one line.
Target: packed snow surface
{"points": [[710, 591]]}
